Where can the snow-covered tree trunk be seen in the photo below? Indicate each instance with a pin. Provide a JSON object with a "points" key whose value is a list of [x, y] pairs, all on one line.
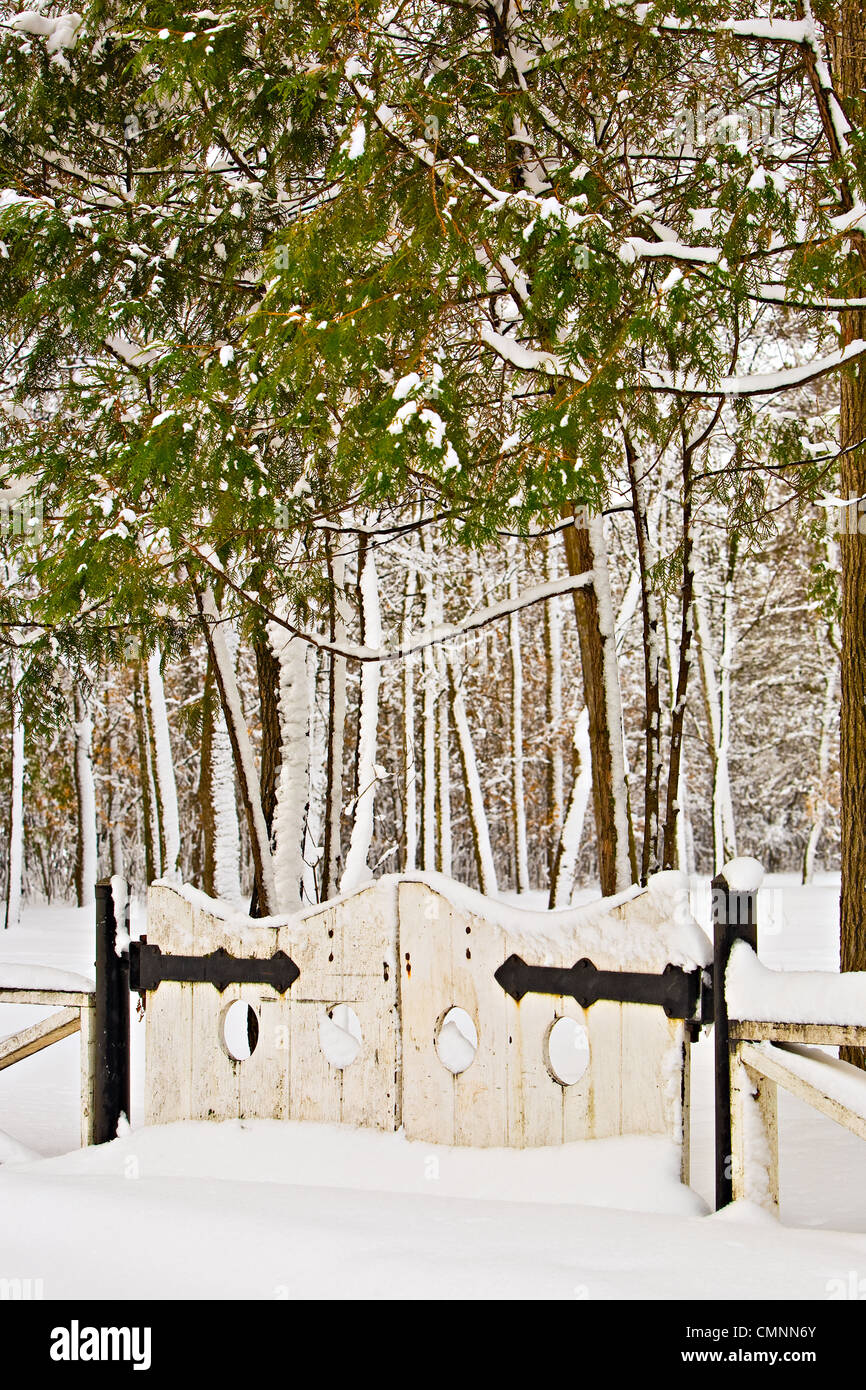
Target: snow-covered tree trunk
{"points": [[293, 788], [157, 818], [150, 825], [479, 826], [230, 700], [332, 853], [478, 595], [518, 792], [357, 869], [85, 798], [429, 686], [443, 786], [410, 768], [15, 865], [724, 831], [652, 644], [562, 878], [685, 844], [685, 830], [204, 862], [555, 762], [717, 701], [847, 28], [313, 847], [443, 752], [164, 768], [115, 829], [684, 661], [829, 711], [226, 831], [568, 845]]}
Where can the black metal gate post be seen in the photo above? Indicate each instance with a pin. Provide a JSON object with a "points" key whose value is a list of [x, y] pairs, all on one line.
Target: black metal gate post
{"points": [[111, 1083], [735, 918]]}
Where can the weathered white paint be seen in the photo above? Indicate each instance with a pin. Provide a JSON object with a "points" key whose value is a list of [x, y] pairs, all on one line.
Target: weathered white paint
{"points": [[402, 953]]}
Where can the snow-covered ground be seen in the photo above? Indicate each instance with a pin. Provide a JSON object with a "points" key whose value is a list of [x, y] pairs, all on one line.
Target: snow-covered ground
{"points": [[268, 1210]]}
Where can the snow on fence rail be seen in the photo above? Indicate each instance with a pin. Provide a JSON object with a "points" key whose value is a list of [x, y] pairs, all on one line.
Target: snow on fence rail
{"points": [[395, 1016], [764, 1020]]}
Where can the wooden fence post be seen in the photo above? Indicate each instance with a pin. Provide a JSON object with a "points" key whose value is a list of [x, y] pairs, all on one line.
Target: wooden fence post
{"points": [[111, 1021], [754, 1134], [87, 1060], [735, 918]]}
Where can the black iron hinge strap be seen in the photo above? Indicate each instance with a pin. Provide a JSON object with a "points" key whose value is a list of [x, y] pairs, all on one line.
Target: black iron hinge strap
{"points": [[148, 967], [675, 990]]}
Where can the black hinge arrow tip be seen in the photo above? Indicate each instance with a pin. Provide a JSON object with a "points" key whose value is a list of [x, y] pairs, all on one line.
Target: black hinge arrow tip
{"points": [[511, 975]]}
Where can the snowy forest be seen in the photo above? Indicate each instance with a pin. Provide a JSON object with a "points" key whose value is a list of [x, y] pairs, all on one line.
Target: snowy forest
{"points": [[430, 439]]}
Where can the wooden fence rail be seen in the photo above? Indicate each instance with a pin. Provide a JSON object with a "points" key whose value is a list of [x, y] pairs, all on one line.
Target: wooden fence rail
{"points": [[755, 1057], [99, 1012]]}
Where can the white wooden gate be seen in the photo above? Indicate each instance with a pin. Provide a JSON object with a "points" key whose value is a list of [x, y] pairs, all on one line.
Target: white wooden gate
{"points": [[401, 954]]}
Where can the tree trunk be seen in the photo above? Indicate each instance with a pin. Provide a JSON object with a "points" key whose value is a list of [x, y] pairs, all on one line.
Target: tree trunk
{"points": [[852, 730], [15, 866], [678, 713], [207, 865], [268, 678], [518, 790], [224, 806], [429, 687], [410, 768], [164, 768], [478, 824], [850, 76], [314, 829], [357, 868], [584, 551], [268, 682], [293, 788], [443, 783], [115, 829], [827, 718], [443, 754], [152, 862], [157, 817], [332, 851], [650, 857], [717, 702], [230, 700], [562, 877], [555, 762], [85, 800]]}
